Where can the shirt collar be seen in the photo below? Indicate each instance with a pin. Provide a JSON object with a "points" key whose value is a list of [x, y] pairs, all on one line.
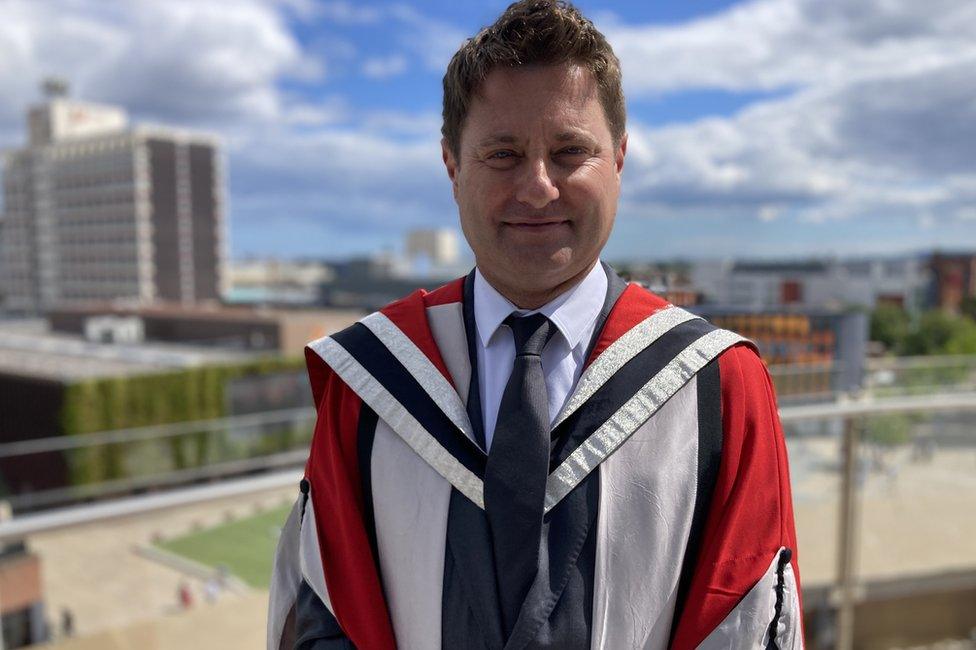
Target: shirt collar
{"points": [[572, 312]]}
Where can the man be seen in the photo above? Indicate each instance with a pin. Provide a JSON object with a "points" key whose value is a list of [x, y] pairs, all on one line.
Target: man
{"points": [[538, 455]]}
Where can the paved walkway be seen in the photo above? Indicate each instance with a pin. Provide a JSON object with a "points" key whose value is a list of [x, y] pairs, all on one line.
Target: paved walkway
{"points": [[94, 571], [916, 517], [227, 625]]}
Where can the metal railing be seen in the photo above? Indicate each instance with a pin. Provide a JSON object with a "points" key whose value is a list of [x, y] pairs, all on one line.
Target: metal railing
{"points": [[127, 461], [883, 377], [805, 382], [155, 432], [920, 375]]}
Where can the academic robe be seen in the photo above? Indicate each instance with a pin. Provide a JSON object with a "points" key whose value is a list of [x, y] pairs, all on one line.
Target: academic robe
{"points": [[668, 508]]}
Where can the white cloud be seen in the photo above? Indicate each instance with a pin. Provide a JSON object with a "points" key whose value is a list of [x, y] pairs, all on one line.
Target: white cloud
{"points": [[874, 125], [349, 181], [303, 10], [422, 125], [319, 114], [820, 155], [769, 212], [434, 41], [770, 44], [188, 61], [343, 12], [385, 67]]}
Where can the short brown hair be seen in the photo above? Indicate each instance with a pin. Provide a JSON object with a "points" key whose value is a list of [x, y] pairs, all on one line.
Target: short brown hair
{"points": [[529, 32]]}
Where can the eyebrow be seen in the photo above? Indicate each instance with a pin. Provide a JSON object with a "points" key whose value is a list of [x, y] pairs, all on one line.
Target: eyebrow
{"points": [[499, 138], [573, 135], [506, 138]]}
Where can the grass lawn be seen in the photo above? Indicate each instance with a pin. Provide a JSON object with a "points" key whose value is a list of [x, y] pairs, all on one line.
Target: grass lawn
{"points": [[246, 546]]}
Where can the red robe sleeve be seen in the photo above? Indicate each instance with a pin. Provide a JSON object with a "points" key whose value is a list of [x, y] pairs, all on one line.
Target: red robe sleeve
{"points": [[751, 513], [351, 575]]}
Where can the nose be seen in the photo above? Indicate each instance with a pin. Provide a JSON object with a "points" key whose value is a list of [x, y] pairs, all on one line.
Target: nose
{"points": [[535, 187]]}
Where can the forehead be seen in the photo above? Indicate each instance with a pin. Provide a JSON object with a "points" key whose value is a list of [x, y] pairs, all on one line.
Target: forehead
{"points": [[536, 97]]}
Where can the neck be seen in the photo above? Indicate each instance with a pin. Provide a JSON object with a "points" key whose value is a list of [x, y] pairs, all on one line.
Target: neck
{"points": [[533, 297]]}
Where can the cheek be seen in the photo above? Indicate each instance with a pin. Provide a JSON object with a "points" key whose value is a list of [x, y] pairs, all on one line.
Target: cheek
{"points": [[470, 190], [593, 190], [597, 173], [476, 212]]}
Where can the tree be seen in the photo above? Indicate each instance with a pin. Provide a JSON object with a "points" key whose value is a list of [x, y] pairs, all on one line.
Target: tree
{"points": [[942, 333], [963, 340], [968, 307], [890, 326]]}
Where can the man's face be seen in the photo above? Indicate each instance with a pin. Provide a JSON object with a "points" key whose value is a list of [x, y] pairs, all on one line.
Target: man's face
{"points": [[537, 177]]}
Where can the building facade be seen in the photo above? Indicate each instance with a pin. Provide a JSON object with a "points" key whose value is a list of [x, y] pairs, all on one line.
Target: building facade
{"points": [[953, 280], [814, 284], [273, 281], [814, 353], [439, 246], [97, 210]]}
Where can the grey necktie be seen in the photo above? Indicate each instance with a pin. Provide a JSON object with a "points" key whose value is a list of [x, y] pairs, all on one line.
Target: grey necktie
{"points": [[518, 466]]}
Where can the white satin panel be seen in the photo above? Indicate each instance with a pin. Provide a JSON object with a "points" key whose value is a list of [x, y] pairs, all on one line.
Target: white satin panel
{"points": [[447, 327], [411, 504], [310, 555], [285, 577], [410, 507], [647, 498], [747, 626], [297, 557]]}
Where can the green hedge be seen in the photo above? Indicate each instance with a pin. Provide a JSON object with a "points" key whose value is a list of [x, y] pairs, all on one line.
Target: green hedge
{"points": [[179, 396], [163, 398]]}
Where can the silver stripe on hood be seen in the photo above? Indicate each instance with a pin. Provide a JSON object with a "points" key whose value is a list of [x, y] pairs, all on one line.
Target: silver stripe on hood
{"points": [[635, 412]]}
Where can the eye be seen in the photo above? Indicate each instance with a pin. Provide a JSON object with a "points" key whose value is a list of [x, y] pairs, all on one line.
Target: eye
{"points": [[501, 159], [573, 151]]}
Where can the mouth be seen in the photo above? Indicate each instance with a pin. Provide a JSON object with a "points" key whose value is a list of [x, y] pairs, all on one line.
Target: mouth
{"points": [[536, 225]]}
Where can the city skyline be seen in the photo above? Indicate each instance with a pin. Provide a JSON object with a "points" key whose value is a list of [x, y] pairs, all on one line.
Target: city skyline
{"points": [[769, 128]]}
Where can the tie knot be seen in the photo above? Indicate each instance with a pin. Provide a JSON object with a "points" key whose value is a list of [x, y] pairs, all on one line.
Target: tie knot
{"points": [[531, 333]]}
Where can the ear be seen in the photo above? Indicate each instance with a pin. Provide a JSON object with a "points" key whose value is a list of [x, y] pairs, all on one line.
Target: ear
{"points": [[620, 153], [450, 163]]}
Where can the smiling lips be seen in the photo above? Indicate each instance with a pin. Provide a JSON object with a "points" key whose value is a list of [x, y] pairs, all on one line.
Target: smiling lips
{"points": [[540, 225]]}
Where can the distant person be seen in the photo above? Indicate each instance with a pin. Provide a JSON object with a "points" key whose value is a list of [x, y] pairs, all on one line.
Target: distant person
{"points": [[185, 595], [211, 589], [538, 455], [223, 576], [47, 631], [67, 623]]}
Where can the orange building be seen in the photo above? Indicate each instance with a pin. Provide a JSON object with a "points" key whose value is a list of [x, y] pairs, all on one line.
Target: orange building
{"points": [[811, 354], [22, 620]]}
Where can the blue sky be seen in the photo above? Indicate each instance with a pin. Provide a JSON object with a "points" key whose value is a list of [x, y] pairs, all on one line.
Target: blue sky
{"points": [[768, 128]]}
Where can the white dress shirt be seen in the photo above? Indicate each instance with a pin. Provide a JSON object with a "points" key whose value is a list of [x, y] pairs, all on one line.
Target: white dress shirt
{"points": [[574, 313]]}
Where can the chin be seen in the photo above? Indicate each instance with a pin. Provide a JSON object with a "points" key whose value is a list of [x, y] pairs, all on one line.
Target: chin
{"points": [[543, 254], [544, 271], [545, 263]]}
